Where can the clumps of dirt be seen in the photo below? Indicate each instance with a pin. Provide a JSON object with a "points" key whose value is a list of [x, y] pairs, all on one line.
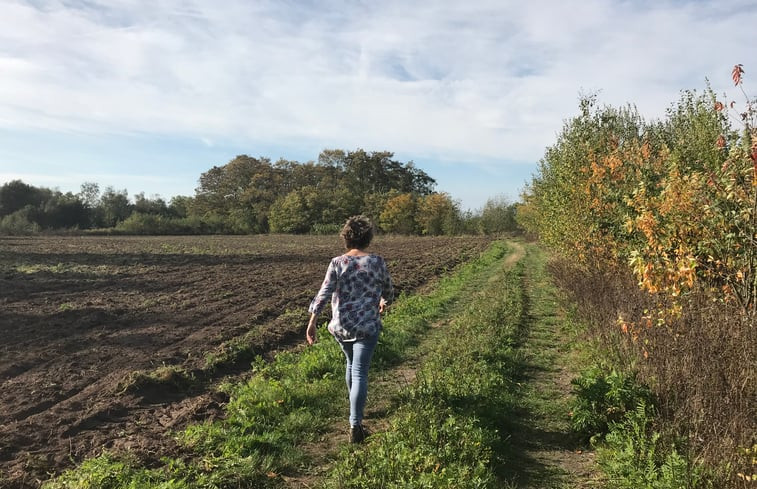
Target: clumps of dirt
{"points": [[116, 342]]}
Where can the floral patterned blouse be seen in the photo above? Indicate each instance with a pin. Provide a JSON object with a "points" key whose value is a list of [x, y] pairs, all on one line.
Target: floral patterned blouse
{"points": [[355, 285]]}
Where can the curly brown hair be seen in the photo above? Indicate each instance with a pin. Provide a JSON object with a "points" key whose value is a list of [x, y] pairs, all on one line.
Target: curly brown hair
{"points": [[357, 232]]}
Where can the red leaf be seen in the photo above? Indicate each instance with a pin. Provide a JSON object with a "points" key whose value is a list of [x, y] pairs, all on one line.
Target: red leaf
{"points": [[719, 106], [736, 74], [720, 142]]}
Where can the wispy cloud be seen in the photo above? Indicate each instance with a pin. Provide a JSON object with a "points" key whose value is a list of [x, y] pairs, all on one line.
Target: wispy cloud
{"points": [[472, 82]]}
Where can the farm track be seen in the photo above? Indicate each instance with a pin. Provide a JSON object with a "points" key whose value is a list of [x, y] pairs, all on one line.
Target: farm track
{"points": [[385, 386], [542, 452], [545, 453], [80, 314]]}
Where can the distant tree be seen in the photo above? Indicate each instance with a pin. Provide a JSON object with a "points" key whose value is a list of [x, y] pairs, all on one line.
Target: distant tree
{"points": [[63, 211], [89, 194], [417, 180], [373, 205], [498, 216], [115, 206], [376, 172], [30, 208], [253, 195], [15, 195], [526, 212], [470, 222], [223, 187], [18, 223], [398, 215], [154, 205], [289, 214], [242, 192], [180, 206], [437, 214], [300, 211]]}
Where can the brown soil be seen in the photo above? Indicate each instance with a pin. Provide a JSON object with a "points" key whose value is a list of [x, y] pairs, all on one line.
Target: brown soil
{"points": [[383, 391], [80, 315]]}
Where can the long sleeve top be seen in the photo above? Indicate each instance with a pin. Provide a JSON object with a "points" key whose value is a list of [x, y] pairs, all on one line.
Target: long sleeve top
{"points": [[355, 285]]}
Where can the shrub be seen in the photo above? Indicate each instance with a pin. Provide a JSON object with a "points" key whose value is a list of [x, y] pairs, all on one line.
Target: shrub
{"points": [[18, 223], [325, 229], [604, 398], [637, 457]]}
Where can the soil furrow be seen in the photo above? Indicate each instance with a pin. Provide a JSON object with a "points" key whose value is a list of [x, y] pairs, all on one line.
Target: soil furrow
{"points": [[79, 314]]}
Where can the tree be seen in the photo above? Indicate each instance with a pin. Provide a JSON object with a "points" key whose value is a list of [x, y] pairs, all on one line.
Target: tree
{"points": [[498, 216], [115, 206], [180, 206], [89, 194], [15, 195], [373, 205], [290, 214], [398, 215], [63, 211], [247, 193], [437, 214], [366, 172], [154, 205]]}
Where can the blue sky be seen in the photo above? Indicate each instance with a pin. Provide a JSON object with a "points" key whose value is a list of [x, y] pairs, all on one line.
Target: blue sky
{"points": [[147, 95]]}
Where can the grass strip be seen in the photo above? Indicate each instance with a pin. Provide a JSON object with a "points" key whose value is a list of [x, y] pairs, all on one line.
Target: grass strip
{"points": [[289, 402], [449, 429]]}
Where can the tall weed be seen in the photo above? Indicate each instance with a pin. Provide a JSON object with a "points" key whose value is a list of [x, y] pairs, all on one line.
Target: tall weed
{"points": [[635, 456]]}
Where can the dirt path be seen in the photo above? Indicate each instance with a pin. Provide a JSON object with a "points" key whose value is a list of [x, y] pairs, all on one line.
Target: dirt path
{"points": [[384, 388], [545, 454]]}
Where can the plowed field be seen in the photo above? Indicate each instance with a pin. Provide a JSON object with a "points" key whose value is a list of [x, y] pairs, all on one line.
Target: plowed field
{"points": [[85, 320]]}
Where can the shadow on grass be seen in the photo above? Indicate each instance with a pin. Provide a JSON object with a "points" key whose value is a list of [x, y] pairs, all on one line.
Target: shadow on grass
{"points": [[527, 429]]}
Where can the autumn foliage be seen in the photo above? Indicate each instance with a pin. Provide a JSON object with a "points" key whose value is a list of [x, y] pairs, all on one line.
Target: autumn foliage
{"points": [[673, 204]]}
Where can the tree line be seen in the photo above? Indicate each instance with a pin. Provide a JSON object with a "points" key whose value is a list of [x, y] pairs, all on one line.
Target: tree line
{"points": [[251, 195]]}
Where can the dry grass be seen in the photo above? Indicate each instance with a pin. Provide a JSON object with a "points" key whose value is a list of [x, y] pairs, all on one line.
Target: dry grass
{"points": [[700, 365]]}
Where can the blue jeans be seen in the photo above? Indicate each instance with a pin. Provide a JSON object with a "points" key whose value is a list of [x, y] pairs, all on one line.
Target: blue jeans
{"points": [[358, 354]]}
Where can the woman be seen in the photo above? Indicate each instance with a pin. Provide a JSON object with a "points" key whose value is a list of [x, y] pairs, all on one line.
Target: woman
{"points": [[359, 287]]}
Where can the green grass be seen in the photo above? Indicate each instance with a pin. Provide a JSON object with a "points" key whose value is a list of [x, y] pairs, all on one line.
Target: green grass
{"points": [[449, 428], [288, 403]]}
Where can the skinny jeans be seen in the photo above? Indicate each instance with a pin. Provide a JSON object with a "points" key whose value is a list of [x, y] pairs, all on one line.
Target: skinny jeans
{"points": [[358, 354]]}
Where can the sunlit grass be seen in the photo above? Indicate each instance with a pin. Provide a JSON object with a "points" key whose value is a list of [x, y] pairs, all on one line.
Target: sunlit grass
{"points": [[288, 402]]}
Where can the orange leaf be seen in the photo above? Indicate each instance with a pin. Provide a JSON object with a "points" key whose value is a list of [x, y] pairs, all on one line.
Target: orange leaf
{"points": [[720, 142], [719, 106], [736, 74]]}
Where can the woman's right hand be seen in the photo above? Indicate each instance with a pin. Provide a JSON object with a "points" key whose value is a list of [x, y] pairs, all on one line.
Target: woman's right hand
{"points": [[310, 334]]}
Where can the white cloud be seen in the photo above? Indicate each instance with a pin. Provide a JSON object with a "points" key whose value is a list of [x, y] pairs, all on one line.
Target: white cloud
{"points": [[467, 81]]}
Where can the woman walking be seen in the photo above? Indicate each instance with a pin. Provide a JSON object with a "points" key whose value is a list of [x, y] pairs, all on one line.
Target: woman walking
{"points": [[359, 287]]}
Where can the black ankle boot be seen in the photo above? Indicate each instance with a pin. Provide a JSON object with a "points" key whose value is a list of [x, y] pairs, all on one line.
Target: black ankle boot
{"points": [[357, 434]]}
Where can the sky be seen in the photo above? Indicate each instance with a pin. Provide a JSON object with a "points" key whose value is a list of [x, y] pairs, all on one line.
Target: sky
{"points": [[146, 95]]}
